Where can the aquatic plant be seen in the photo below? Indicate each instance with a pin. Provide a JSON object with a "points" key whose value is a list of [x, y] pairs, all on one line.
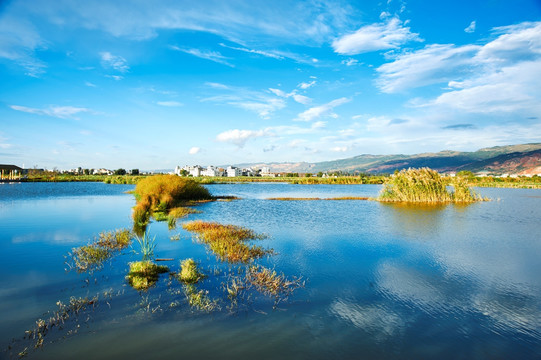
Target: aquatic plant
{"points": [[423, 185], [182, 211], [189, 273], [228, 242], [59, 317], [92, 256], [144, 274], [146, 245], [115, 240], [269, 282], [316, 198], [199, 299]]}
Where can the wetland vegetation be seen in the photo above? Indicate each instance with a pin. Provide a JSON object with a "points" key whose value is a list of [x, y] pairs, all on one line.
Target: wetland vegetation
{"points": [[425, 186]]}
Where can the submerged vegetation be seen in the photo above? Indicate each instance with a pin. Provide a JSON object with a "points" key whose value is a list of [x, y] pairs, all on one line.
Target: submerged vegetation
{"points": [[92, 256], [425, 186], [228, 242], [269, 282], [58, 318]]}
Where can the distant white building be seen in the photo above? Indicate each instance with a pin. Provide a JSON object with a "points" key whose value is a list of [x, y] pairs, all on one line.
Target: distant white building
{"points": [[233, 171], [102, 172], [211, 171], [196, 171]]}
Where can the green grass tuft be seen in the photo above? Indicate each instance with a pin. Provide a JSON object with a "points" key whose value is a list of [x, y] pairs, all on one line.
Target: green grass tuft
{"points": [[144, 274], [189, 274]]}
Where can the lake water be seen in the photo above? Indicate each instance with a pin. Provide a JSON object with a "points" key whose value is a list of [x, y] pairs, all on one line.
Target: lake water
{"points": [[381, 281]]}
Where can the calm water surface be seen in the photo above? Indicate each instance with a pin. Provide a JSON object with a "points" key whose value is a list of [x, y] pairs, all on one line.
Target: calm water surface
{"points": [[382, 281]]}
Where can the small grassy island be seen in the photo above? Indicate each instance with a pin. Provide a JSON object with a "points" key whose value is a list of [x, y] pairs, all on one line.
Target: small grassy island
{"points": [[165, 197], [425, 185]]}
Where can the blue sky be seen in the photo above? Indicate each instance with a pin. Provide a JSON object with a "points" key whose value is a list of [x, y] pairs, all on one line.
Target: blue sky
{"points": [[155, 84]]}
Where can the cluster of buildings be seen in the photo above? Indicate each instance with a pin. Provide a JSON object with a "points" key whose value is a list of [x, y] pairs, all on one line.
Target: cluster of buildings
{"points": [[230, 171]]}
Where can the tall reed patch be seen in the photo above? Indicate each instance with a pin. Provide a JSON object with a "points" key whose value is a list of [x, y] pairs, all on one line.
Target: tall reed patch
{"points": [[228, 242], [424, 185], [161, 193]]}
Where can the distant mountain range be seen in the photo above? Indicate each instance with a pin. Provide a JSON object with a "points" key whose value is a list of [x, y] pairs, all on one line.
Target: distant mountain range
{"points": [[512, 159]]}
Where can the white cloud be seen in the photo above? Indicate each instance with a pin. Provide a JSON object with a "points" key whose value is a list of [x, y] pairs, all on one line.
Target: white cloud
{"points": [[321, 110], [306, 85], [19, 40], [511, 89], [339, 149], [62, 112], [115, 62], [259, 102], [115, 77], [89, 84], [194, 150], [430, 65], [169, 103], [471, 27], [214, 56], [269, 54], [382, 36], [500, 76], [278, 92], [217, 85], [240, 137], [350, 62], [301, 99]]}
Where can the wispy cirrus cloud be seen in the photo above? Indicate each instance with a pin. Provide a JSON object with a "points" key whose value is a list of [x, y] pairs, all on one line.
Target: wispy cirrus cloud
{"points": [[170, 103], [322, 110], [270, 54], [115, 62], [62, 112], [256, 101], [210, 55], [19, 41], [381, 36]]}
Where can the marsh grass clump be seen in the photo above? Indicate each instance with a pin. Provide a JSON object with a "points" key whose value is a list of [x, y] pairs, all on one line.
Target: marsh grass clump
{"points": [[144, 274], [269, 282], [163, 192], [424, 186], [92, 256], [189, 273], [228, 242]]}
